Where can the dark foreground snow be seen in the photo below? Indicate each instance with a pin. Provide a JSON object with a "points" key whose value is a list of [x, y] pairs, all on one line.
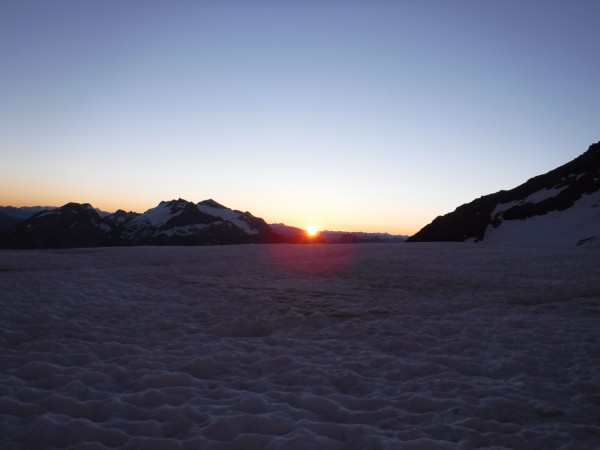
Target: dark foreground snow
{"points": [[420, 346]]}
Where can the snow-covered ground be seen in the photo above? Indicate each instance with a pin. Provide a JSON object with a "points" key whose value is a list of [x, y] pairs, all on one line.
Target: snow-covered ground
{"points": [[416, 346]]}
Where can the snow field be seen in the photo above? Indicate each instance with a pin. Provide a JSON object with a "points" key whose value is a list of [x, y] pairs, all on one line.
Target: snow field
{"points": [[568, 227], [416, 346]]}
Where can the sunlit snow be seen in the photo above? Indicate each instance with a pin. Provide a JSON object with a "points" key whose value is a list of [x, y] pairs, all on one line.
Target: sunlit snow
{"points": [[543, 194], [158, 215], [536, 197], [416, 346], [228, 215], [567, 227]]}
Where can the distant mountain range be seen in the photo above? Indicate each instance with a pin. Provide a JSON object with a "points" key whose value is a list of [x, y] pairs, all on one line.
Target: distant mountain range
{"points": [[175, 222], [561, 207], [10, 216], [295, 234]]}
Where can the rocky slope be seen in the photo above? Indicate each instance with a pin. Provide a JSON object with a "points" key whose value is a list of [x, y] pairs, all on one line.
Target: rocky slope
{"points": [[10, 216], [560, 207], [71, 225]]}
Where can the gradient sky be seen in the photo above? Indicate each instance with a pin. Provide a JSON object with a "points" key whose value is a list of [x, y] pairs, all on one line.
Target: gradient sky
{"points": [[353, 115]]}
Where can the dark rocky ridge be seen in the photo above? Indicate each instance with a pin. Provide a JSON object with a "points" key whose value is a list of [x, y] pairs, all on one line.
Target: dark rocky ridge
{"points": [[72, 225], [470, 221], [10, 216], [8, 222], [251, 221]]}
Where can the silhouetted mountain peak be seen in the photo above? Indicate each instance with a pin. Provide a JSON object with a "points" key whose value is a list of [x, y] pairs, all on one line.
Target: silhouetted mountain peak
{"points": [[71, 225], [559, 206], [212, 204]]}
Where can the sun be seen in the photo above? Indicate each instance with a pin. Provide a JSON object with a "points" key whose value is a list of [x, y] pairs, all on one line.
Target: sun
{"points": [[312, 230]]}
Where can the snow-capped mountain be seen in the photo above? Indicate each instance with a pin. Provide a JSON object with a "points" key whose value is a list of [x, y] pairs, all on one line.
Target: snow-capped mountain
{"points": [[180, 222], [121, 216], [561, 207], [175, 222], [244, 220]]}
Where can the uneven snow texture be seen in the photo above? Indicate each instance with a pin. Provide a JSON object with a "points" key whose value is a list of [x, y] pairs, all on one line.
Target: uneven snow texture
{"points": [[417, 346]]}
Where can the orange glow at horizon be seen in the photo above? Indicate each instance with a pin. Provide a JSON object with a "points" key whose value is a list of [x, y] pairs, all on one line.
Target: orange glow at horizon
{"points": [[18, 193], [312, 230]]}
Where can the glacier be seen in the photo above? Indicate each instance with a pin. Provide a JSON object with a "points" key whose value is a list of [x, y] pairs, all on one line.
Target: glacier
{"points": [[422, 346]]}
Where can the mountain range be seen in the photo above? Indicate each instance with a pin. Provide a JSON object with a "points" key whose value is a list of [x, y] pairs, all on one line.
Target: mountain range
{"points": [[175, 222], [298, 235], [561, 207]]}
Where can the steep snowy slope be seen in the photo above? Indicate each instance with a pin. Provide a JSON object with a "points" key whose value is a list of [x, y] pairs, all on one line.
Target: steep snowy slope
{"points": [[561, 207], [576, 225], [244, 220]]}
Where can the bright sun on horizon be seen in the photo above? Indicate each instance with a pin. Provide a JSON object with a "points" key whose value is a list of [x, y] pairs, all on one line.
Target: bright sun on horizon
{"points": [[312, 230]]}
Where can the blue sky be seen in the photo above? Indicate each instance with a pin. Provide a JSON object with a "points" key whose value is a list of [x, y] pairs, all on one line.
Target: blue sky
{"points": [[353, 115]]}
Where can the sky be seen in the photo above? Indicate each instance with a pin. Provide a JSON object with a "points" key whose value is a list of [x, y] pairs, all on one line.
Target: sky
{"points": [[350, 115]]}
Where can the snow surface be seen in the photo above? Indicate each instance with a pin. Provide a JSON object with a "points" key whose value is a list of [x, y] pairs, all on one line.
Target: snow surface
{"points": [[158, 215], [567, 227], [543, 194], [229, 215], [536, 197], [416, 346]]}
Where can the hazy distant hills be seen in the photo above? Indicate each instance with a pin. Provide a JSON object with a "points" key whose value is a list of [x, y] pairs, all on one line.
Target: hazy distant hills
{"points": [[561, 207], [294, 234], [175, 222], [10, 216]]}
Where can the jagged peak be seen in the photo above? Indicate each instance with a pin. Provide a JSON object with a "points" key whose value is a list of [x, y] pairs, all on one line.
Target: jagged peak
{"points": [[594, 148], [123, 213], [212, 204], [77, 207], [174, 206], [179, 201]]}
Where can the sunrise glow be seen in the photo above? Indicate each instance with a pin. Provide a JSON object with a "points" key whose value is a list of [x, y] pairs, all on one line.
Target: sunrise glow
{"points": [[312, 230], [363, 116]]}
